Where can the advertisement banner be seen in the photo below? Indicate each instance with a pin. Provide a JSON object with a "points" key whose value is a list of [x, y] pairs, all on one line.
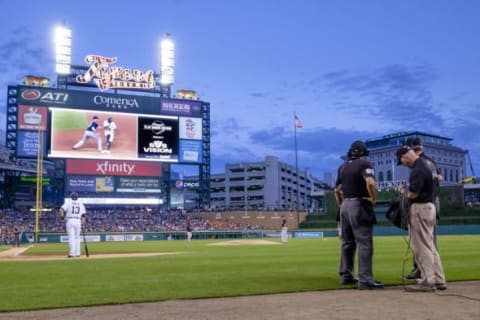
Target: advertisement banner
{"points": [[114, 168], [27, 144], [124, 237], [158, 138], [190, 128], [181, 107], [104, 184], [145, 184], [32, 118], [38, 96], [191, 151], [81, 184]]}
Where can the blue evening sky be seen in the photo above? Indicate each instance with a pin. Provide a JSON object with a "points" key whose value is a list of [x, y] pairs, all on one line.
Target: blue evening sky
{"points": [[349, 69]]}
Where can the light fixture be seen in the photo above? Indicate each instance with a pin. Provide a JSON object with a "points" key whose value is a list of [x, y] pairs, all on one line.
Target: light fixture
{"points": [[63, 50], [167, 61]]}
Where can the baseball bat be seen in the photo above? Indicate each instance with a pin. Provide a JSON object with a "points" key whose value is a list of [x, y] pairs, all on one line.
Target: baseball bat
{"points": [[85, 243]]}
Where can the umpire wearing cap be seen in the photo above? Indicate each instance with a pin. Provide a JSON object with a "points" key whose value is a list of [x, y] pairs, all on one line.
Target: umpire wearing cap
{"points": [[422, 221], [417, 146], [356, 192]]}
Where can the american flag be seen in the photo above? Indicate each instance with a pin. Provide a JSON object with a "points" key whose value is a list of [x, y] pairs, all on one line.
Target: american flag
{"points": [[297, 123]]}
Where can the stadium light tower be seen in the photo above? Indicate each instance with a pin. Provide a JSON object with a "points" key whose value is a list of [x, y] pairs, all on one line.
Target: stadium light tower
{"points": [[167, 61], [63, 49]]}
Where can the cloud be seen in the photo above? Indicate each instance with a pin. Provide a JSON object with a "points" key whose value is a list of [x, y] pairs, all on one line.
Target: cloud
{"points": [[19, 56], [397, 94], [319, 149], [257, 95]]}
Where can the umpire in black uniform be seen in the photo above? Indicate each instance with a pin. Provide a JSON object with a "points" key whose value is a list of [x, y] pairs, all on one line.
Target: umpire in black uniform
{"points": [[356, 193], [422, 221], [417, 146]]}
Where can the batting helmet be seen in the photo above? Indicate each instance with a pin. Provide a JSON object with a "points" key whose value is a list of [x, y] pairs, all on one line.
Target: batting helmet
{"points": [[95, 118], [110, 119], [74, 196], [358, 149]]}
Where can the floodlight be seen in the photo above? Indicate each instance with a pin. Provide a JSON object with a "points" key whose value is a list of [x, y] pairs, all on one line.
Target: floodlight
{"points": [[167, 61], [63, 50]]}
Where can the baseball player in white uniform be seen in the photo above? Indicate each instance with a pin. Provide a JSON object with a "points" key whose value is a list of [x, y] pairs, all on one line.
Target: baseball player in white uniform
{"points": [[74, 212], [284, 231], [109, 127], [90, 132]]}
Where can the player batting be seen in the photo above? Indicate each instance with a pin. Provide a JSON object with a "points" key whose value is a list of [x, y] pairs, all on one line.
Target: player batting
{"points": [[74, 212]]}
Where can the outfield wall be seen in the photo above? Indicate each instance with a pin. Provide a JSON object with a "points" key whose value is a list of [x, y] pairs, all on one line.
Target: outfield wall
{"points": [[265, 219], [29, 237]]}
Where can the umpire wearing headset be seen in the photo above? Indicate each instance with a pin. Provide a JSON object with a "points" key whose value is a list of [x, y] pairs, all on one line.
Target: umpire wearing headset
{"points": [[422, 221], [356, 193], [416, 145]]}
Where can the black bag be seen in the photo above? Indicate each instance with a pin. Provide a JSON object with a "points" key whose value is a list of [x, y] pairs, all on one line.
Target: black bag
{"points": [[397, 213]]}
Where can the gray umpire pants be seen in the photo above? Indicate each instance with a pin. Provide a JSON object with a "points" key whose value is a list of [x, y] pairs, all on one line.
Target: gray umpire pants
{"points": [[421, 228], [357, 232]]}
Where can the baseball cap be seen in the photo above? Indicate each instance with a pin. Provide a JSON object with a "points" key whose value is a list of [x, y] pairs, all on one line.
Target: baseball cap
{"points": [[414, 143], [358, 149], [400, 152], [95, 117]]}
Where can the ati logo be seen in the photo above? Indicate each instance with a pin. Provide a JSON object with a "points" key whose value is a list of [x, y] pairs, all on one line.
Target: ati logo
{"points": [[31, 94], [48, 97], [115, 167]]}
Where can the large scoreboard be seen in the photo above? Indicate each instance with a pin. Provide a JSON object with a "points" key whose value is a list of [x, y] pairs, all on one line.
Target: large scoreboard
{"points": [[151, 132], [148, 128]]}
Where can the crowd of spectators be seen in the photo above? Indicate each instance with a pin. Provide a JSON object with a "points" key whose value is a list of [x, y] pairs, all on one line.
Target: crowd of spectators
{"points": [[112, 219]]}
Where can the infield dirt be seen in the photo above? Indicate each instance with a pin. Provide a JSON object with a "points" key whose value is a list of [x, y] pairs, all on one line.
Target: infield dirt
{"points": [[392, 303]]}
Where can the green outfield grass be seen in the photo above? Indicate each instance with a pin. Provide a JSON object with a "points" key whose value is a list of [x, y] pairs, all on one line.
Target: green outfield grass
{"points": [[69, 120], [200, 271]]}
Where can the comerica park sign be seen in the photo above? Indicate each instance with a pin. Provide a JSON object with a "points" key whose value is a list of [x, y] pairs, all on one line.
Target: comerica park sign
{"points": [[106, 76]]}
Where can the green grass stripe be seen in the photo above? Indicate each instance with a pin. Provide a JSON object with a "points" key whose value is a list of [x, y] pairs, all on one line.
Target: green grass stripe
{"points": [[69, 120], [201, 271]]}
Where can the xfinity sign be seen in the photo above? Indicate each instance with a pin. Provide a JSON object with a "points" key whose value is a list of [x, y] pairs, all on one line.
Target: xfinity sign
{"points": [[115, 168]]}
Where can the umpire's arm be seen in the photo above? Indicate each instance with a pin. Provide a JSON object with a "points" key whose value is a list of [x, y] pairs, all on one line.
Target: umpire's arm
{"points": [[372, 189]]}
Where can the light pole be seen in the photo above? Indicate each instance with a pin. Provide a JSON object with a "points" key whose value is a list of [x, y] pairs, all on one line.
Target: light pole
{"points": [[245, 196]]}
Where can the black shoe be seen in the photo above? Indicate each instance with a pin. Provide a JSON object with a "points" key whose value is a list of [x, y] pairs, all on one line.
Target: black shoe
{"points": [[371, 285], [415, 274], [349, 281], [441, 286]]}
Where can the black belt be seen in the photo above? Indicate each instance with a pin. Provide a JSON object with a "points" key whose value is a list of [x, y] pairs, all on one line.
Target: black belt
{"points": [[356, 198]]}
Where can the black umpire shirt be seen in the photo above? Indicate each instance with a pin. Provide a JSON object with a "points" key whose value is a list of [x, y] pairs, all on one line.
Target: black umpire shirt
{"points": [[352, 175], [433, 167], [421, 182]]}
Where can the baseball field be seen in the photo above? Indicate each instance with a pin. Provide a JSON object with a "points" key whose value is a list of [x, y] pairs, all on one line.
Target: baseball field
{"points": [[41, 277]]}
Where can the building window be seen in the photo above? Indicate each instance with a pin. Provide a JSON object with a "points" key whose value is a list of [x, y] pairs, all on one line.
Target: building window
{"points": [[380, 176], [389, 175]]}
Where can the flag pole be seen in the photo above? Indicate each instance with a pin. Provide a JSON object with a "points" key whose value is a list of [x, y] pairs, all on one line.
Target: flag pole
{"points": [[296, 167]]}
